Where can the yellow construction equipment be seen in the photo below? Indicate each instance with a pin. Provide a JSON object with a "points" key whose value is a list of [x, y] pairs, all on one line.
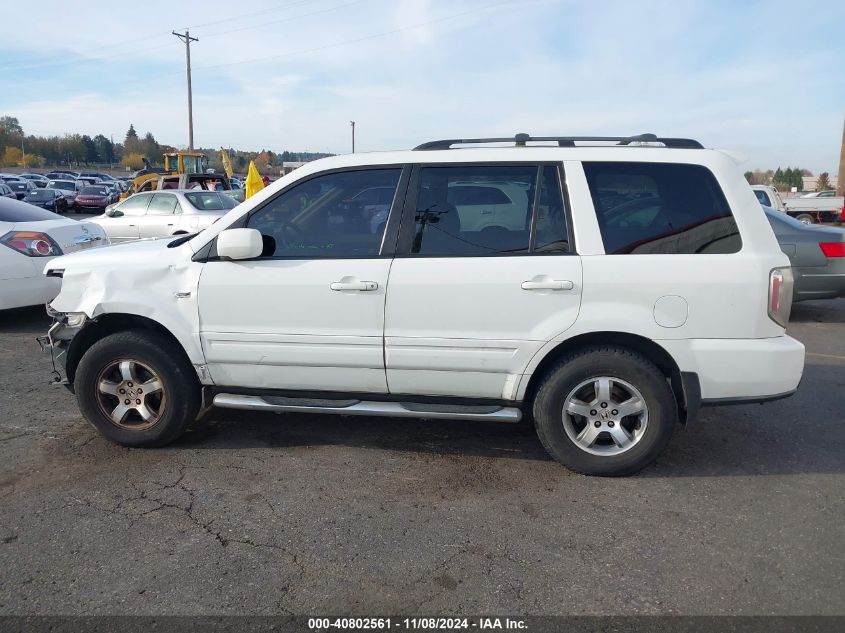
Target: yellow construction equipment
{"points": [[175, 164]]}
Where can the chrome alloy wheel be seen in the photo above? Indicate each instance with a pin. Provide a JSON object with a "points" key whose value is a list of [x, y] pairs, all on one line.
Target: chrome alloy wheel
{"points": [[605, 416], [130, 394]]}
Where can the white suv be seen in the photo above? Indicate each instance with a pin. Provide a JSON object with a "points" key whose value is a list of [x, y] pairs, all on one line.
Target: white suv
{"points": [[615, 289]]}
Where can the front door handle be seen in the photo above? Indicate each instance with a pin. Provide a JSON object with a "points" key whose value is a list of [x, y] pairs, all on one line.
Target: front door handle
{"points": [[551, 284], [362, 286]]}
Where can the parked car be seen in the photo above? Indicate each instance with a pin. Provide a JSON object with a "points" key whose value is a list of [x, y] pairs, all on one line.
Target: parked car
{"points": [[817, 255], [807, 210], [605, 327], [160, 214], [70, 189], [19, 187], [99, 176], [50, 199], [31, 237], [89, 180], [36, 179], [64, 173], [94, 198], [5, 192], [827, 193]]}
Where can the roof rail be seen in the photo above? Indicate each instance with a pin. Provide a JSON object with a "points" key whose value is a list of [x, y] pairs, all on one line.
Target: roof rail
{"points": [[520, 140]]}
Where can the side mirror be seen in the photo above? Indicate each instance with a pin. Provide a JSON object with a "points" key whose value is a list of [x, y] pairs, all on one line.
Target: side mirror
{"points": [[114, 213], [239, 244]]}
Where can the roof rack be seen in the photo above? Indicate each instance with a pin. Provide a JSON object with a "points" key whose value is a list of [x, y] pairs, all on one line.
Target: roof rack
{"points": [[520, 140]]}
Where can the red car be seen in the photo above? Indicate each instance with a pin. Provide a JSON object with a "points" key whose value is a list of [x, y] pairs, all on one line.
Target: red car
{"points": [[94, 198]]}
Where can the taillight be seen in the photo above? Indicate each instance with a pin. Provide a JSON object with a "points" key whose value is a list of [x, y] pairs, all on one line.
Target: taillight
{"points": [[31, 243], [780, 295], [833, 249]]}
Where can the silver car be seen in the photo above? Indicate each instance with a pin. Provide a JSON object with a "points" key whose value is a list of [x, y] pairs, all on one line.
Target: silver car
{"points": [[163, 213], [817, 255]]}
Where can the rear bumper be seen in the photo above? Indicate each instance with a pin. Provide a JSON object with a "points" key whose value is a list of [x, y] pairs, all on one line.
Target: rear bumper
{"points": [[732, 371], [820, 282]]}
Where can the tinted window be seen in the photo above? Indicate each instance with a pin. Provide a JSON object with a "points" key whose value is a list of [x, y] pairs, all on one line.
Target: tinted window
{"points": [[14, 211], [551, 231], [657, 208], [476, 210], [209, 201], [322, 217], [162, 204], [62, 184], [763, 197], [42, 194], [135, 205]]}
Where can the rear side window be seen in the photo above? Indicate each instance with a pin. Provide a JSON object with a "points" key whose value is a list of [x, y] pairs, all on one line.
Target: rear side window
{"points": [[477, 210], [661, 208]]}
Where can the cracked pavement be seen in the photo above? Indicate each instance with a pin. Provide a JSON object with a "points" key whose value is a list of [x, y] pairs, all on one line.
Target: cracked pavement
{"points": [[299, 514]]}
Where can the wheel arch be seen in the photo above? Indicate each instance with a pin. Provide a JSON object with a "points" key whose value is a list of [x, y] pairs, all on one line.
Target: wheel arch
{"points": [[685, 385], [111, 323]]}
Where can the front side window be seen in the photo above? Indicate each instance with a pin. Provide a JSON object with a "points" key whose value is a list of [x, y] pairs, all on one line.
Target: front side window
{"points": [[661, 208], [135, 205], [327, 217]]}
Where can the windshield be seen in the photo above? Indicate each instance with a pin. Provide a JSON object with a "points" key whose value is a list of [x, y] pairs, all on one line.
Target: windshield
{"points": [[94, 191], [210, 201], [61, 184], [41, 194], [14, 211]]}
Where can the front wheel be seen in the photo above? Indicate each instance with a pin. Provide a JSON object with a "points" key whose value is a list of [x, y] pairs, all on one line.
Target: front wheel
{"points": [[135, 391], [605, 411]]}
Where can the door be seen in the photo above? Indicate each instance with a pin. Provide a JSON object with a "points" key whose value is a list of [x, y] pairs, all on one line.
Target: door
{"points": [[126, 226], [162, 215], [485, 274], [309, 313]]}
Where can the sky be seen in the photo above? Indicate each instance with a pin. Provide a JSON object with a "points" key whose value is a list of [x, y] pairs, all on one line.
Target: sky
{"points": [[764, 79]]}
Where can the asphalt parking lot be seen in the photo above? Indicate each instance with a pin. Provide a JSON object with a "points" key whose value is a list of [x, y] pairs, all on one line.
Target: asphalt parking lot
{"points": [[268, 514]]}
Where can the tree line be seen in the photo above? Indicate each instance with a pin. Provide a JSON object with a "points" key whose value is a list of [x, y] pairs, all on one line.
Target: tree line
{"points": [[785, 179], [18, 149]]}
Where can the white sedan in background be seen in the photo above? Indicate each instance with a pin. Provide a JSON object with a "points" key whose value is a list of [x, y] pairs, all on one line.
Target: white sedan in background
{"points": [[164, 213], [30, 237]]}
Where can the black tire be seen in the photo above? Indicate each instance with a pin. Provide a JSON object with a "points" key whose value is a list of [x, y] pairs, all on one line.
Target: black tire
{"points": [[806, 218], [180, 389], [582, 365]]}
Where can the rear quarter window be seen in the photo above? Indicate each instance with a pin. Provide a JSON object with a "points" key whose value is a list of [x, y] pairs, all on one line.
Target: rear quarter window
{"points": [[661, 208]]}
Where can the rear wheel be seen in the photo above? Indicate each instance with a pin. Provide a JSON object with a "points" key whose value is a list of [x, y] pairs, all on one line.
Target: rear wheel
{"points": [[136, 393], [806, 218], [604, 411]]}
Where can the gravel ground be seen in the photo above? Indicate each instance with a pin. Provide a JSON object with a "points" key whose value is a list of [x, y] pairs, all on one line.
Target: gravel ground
{"points": [[268, 514]]}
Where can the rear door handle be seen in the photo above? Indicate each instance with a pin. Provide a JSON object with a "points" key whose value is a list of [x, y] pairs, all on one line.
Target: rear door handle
{"points": [[363, 286], [552, 284]]}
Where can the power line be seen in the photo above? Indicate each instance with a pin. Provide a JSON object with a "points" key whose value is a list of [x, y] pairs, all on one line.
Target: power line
{"points": [[64, 60], [357, 40], [288, 19], [251, 15]]}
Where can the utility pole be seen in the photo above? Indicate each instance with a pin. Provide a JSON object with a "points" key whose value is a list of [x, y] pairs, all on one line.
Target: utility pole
{"points": [[352, 123], [186, 37], [840, 186]]}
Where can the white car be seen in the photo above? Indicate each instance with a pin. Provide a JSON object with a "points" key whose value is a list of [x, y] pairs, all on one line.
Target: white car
{"points": [[30, 237], [629, 286], [163, 213]]}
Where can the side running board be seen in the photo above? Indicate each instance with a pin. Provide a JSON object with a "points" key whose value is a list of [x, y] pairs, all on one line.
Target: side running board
{"points": [[363, 407]]}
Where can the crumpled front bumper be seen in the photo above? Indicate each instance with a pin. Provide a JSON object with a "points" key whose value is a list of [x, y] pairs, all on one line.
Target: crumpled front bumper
{"points": [[57, 342]]}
